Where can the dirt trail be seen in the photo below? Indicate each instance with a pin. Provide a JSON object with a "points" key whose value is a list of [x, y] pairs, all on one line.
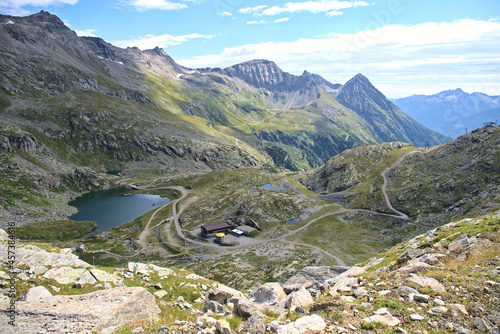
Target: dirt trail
{"points": [[384, 176], [145, 234]]}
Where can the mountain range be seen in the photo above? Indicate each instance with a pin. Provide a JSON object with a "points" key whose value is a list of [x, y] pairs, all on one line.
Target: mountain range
{"points": [[74, 107], [451, 112]]}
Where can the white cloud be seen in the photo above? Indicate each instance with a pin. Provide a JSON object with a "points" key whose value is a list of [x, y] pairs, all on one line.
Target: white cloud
{"points": [[86, 32], [281, 20], [144, 5], [256, 22], [16, 7], [165, 40], [334, 13], [393, 56], [331, 7], [251, 10], [226, 13]]}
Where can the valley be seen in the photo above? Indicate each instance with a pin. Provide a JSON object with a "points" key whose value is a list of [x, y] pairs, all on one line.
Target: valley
{"points": [[343, 225]]}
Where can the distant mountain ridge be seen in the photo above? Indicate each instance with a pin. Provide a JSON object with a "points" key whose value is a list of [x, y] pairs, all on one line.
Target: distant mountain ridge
{"points": [[451, 112]]}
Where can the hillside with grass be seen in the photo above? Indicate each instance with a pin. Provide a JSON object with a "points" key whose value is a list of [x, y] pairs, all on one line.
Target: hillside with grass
{"points": [[443, 281], [429, 187]]}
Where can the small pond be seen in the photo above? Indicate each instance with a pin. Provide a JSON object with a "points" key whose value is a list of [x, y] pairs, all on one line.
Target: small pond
{"points": [[269, 187], [293, 221], [111, 208]]}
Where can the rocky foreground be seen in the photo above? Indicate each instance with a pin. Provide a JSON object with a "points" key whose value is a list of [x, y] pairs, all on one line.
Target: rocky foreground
{"points": [[445, 281]]}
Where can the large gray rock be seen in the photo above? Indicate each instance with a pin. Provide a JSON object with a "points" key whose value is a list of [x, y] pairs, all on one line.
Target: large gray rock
{"points": [[383, 316], [409, 255], [102, 276], [33, 256], [223, 326], [245, 308], [65, 275], [316, 274], [308, 324], [38, 292], [93, 311], [414, 267], [460, 245], [429, 282], [215, 307], [222, 294], [301, 298], [268, 294]]}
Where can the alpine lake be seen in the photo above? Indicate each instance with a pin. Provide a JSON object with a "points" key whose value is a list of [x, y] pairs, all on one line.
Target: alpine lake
{"points": [[114, 207]]}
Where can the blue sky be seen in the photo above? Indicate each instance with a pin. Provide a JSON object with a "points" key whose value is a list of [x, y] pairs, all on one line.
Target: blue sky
{"points": [[404, 47]]}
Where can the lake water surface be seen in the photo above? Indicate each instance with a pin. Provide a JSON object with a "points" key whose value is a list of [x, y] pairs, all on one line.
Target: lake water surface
{"points": [[111, 208], [270, 187]]}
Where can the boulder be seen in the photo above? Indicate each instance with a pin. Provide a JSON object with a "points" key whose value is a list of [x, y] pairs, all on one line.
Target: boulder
{"points": [[383, 316], [421, 298], [268, 294], [101, 309], [244, 308], [301, 298], [223, 326], [408, 290], [456, 309], [160, 294], [222, 294], [308, 324], [103, 276], [414, 267], [430, 258], [38, 292], [256, 324], [438, 310], [292, 287], [481, 324], [429, 282], [416, 317], [360, 292], [461, 245], [65, 275], [318, 274], [409, 255], [215, 307], [87, 278]]}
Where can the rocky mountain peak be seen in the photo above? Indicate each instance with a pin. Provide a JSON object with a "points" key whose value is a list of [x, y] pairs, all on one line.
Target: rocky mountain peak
{"points": [[159, 51], [359, 94], [358, 79], [261, 73], [46, 17]]}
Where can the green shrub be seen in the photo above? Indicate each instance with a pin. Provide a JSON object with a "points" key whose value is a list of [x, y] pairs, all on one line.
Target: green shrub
{"points": [[389, 303], [372, 325], [234, 322]]}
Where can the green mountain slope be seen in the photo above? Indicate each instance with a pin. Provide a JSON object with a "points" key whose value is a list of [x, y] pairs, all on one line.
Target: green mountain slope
{"points": [[450, 181]]}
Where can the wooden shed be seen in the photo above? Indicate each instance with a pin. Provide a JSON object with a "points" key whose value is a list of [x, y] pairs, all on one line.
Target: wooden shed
{"points": [[217, 227]]}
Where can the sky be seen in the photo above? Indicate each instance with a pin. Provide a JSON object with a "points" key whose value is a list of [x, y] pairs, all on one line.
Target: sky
{"points": [[404, 47]]}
